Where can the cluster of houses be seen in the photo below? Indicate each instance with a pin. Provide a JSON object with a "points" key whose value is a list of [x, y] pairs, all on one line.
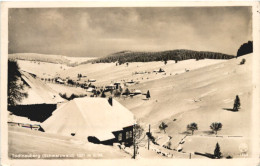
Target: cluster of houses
{"points": [[114, 86], [69, 81], [91, 88], [160, 70]]}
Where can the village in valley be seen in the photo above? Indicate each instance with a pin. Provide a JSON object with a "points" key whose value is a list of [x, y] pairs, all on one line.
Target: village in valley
{"points": [[168, 104], [101, 104]]}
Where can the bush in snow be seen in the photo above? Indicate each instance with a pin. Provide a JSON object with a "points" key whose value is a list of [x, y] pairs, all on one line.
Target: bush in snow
{"points": [[243, 61]]}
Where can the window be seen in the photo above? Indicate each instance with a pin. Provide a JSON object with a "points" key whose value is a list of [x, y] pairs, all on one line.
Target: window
{"points": [[130, 134], [127, 135], [120, 137]]}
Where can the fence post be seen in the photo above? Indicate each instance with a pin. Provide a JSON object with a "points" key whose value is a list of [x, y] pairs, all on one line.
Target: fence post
{"points": [[149, 137]]}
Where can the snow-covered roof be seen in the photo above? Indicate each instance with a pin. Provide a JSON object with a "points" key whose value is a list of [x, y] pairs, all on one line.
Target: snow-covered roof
{"points": [[19, 119], [60, 80], [38, 92], [89, 117], [111, 85], [91, 80], [90, 89], [137, 91]]}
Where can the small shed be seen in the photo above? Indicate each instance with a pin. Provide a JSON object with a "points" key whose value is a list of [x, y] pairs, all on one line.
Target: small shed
{"points": [[60, 81], [91, 80]]}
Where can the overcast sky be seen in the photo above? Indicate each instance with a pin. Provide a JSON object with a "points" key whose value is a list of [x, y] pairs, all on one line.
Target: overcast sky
{"points": [[101, 31]]}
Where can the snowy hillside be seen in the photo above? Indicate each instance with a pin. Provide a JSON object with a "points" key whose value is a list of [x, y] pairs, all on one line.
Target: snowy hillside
{"points": [[188, 91], [200, 95], [105, 73]]}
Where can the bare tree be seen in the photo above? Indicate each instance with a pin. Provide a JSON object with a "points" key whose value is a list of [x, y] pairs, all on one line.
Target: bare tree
{"points": [[216, 126], [192, 127], [163, 126], [138, 138]]}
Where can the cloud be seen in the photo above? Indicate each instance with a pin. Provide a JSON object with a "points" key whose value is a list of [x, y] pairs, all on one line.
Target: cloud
{"points": [[101, 31]]}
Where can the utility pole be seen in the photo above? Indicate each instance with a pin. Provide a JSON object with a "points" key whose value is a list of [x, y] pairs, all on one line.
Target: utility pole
{"points": [[134, 136], [149, 137]]}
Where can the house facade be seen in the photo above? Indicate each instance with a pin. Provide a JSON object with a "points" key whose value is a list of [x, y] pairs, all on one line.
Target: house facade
{"points": [[124, 136]]}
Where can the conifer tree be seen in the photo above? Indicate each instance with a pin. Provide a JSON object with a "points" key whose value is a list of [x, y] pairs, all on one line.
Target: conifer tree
{"points": [[103, 94], [217, 152], [15, 89], [236, 104], [127, 92], [148, 94]]}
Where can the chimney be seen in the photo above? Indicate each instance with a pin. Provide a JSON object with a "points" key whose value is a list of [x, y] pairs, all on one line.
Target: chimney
{"points": [[110, 101]]}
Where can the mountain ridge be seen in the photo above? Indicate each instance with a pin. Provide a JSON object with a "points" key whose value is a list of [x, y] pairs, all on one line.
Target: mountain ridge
{"points": [[177, 55]]}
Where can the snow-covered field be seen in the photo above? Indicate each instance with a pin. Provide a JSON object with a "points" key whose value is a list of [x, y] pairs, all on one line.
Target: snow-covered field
{"points": [[48, 70], [59, 88], [178, 97], [42, 69], [105, 73], [26, 141], [202, 96]]}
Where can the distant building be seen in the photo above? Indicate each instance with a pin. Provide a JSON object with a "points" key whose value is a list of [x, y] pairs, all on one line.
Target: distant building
{"points": [[91, 80], [90, 89], [110, 87], [159, 71], [59, 80], [130, 82], [96, 119], [117, 84], [137, 92]]}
